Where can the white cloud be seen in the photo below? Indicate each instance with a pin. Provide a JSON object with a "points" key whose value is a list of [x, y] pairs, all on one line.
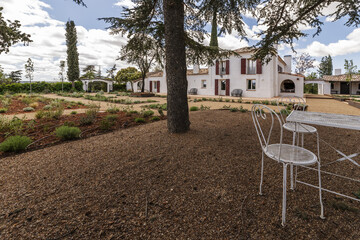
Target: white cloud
{"points": [[125, 3], [95, 46], [342, 47]]}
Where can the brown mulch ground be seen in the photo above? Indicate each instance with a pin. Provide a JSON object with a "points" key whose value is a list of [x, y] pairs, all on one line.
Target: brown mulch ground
{"points": [[42, 131], [17, 106], [144, 183]]}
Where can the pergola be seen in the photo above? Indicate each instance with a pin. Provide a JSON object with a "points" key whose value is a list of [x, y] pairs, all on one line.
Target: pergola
{"points": [[87, 81]]}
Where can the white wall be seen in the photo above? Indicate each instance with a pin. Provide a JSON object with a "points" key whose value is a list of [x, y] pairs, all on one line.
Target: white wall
{"points": [[267, 83], [299, 85]]}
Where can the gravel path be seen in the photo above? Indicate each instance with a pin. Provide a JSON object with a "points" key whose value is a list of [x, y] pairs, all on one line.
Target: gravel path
{"points": [[144, 183]]}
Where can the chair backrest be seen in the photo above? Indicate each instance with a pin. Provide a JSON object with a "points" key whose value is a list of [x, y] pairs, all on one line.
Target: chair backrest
{"points": [[260, 115], [288, 103]]}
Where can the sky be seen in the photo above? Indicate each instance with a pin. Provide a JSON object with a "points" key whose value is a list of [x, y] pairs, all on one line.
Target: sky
{"points": [[45, 21]]}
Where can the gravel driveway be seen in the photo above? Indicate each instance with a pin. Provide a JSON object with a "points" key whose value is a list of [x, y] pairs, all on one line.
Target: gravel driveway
{"points": [[144, 183]]}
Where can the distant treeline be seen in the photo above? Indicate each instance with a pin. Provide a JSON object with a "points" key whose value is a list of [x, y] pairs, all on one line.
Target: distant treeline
{"points": [[46, 87]]}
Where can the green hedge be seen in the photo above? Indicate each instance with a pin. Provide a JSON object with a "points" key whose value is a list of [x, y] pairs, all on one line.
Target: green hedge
{"points": [[38, 87], [119, 87]]}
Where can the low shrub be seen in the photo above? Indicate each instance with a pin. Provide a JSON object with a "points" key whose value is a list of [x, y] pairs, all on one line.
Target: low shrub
{"points": [[11, 126], [34, 105], [139, 120], [67, 133], [113, 110], [148, 113], [106, 124], [87, 120], [40, 114], [194, 108], [233, 110], [28, 109], [111, 118], [3, 110], [15, 144], [73, 112], [155, 118], [160, 111], [243, 110], [274, 103], [47, 107], [69, 124], [202, 107], [133, 112]]}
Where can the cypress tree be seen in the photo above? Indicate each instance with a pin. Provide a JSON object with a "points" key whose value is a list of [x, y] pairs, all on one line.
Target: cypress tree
{"points": [[73, 72]]}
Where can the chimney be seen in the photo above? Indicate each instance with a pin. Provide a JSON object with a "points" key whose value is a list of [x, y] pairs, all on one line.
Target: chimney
{"points": [[196, 69], [287, 60], [338, 71]]}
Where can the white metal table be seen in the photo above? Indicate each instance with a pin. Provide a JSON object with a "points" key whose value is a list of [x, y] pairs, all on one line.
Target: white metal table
{"points": [[329, 120]]}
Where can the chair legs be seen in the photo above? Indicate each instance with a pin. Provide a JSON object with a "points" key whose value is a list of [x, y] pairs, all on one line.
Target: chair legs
{"points": [[284, 195], [262, 172], [319, 174]]}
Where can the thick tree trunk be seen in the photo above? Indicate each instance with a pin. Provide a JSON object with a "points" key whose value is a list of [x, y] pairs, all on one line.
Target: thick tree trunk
{"points": [[177, 105], [143, 83]]}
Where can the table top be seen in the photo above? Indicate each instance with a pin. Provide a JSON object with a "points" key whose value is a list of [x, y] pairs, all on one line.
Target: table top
{"points": [[325, 119]]}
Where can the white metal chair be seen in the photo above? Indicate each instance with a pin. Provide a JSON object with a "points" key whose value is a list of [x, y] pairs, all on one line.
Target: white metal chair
{"points": [[282, 153], [285, 105]]}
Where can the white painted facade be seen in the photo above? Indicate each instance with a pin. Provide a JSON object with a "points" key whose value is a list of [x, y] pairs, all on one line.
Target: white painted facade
{"points": [[267, 84]]}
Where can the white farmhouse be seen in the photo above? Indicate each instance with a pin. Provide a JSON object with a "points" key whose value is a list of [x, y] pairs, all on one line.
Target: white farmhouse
{"points": [[237, 72]]}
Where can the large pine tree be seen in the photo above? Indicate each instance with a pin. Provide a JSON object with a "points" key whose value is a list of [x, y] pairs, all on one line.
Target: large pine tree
{"points": [[73, 71], [179, 26], [10, 34]]}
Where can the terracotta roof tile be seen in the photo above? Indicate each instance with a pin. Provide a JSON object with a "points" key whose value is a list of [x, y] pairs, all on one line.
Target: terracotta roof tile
{"points": [[202, 71], [341, 78]]}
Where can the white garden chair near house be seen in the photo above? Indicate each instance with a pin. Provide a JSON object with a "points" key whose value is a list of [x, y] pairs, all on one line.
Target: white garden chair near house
{"points": [[285, 154], [285, 105]]}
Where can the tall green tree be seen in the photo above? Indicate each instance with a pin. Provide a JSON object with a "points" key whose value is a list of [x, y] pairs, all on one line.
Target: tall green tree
{"points": [[126, 75], [10, 34], [89, 72], [29, 69], [179, 27], [73, 72], [350, 70], [326, 66], [143, 51]]}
